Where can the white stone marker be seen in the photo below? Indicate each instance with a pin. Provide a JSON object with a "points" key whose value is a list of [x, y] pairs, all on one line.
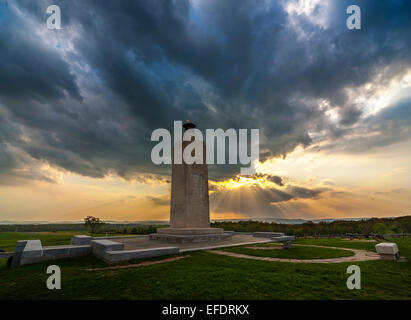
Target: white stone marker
{"points": [[387, 250]]}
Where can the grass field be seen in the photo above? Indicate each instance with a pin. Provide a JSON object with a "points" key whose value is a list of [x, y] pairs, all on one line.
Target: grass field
{"points": [[204, 275], [296, 252]]}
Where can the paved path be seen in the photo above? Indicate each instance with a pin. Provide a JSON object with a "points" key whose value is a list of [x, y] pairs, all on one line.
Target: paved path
{"points": [[359, 255]]}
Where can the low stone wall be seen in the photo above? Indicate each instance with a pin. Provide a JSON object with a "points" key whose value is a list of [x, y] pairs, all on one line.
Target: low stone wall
{"points": [[54, 253], [112, 251], [125, 255], [32, 251], [86, 240], [59, 252]]}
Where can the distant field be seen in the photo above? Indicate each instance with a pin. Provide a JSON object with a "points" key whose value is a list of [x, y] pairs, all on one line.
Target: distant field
{"points": [[205, 275], [8, 240]]}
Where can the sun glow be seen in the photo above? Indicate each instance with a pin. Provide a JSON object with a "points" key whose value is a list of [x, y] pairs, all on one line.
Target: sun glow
{"points": [[240, 181]]}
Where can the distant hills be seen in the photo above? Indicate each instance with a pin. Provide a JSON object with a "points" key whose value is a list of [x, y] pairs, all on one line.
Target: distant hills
{"points": [[288, 226], [161, 222]]}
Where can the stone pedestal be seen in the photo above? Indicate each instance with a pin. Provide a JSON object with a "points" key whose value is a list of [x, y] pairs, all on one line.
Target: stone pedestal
{"points": [[182, 235], [178, 238], [190, 231]]}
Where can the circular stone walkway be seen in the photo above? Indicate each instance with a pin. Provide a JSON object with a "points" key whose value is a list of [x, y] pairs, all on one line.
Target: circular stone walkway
{"points": [[359, 255]]}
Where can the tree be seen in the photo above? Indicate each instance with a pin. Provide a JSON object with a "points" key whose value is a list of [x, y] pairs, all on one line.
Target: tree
{"points": [[380, 228], [93, 223]]}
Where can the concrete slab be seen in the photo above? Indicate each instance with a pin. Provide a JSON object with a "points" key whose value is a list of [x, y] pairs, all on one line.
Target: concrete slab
{"points": [[100, 247], [190, 231], [81, 240], [125, 255], [117, 237], [190, 238], [267, 234], [235, 240]]}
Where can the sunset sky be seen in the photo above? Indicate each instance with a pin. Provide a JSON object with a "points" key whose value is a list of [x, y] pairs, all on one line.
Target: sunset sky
{"points": [[78, 106]]}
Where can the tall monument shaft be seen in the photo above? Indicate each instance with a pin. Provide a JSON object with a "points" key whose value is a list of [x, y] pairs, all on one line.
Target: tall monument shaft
{"points": [[189, 195], [189, 207]]}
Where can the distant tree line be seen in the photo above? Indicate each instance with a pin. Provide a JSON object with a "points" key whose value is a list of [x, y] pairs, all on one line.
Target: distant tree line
{"points": [[81, 227], [371, 226]]}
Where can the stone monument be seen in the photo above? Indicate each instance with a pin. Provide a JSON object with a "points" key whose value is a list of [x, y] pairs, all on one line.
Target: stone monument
{"points": [[189, 208]]}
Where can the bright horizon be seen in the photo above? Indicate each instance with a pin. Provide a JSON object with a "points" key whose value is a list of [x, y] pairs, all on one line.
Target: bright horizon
{"points": [[9, 222]]}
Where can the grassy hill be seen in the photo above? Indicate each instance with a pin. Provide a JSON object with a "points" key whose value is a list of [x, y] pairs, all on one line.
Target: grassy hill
{"points": [[204, 275]]}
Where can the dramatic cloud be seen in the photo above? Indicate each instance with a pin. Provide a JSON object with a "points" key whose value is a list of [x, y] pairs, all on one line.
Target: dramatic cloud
{"points": [[85, 99], [256, 201], [259, 196]]}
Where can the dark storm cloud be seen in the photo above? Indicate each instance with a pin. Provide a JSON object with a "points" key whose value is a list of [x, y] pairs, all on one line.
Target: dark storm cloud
{"points": [[272, 178], [350, 115], [389, 126], [120, 69], [28, 69], [16, 168], [276, 179]]}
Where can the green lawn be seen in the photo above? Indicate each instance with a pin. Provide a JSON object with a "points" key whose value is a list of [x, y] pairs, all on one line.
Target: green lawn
{"points": [[296, 252], [209, 276], [354, 244]]}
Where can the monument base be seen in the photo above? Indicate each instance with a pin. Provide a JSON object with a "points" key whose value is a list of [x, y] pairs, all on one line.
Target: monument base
{"points": [[190, 231], [182, 235]]}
